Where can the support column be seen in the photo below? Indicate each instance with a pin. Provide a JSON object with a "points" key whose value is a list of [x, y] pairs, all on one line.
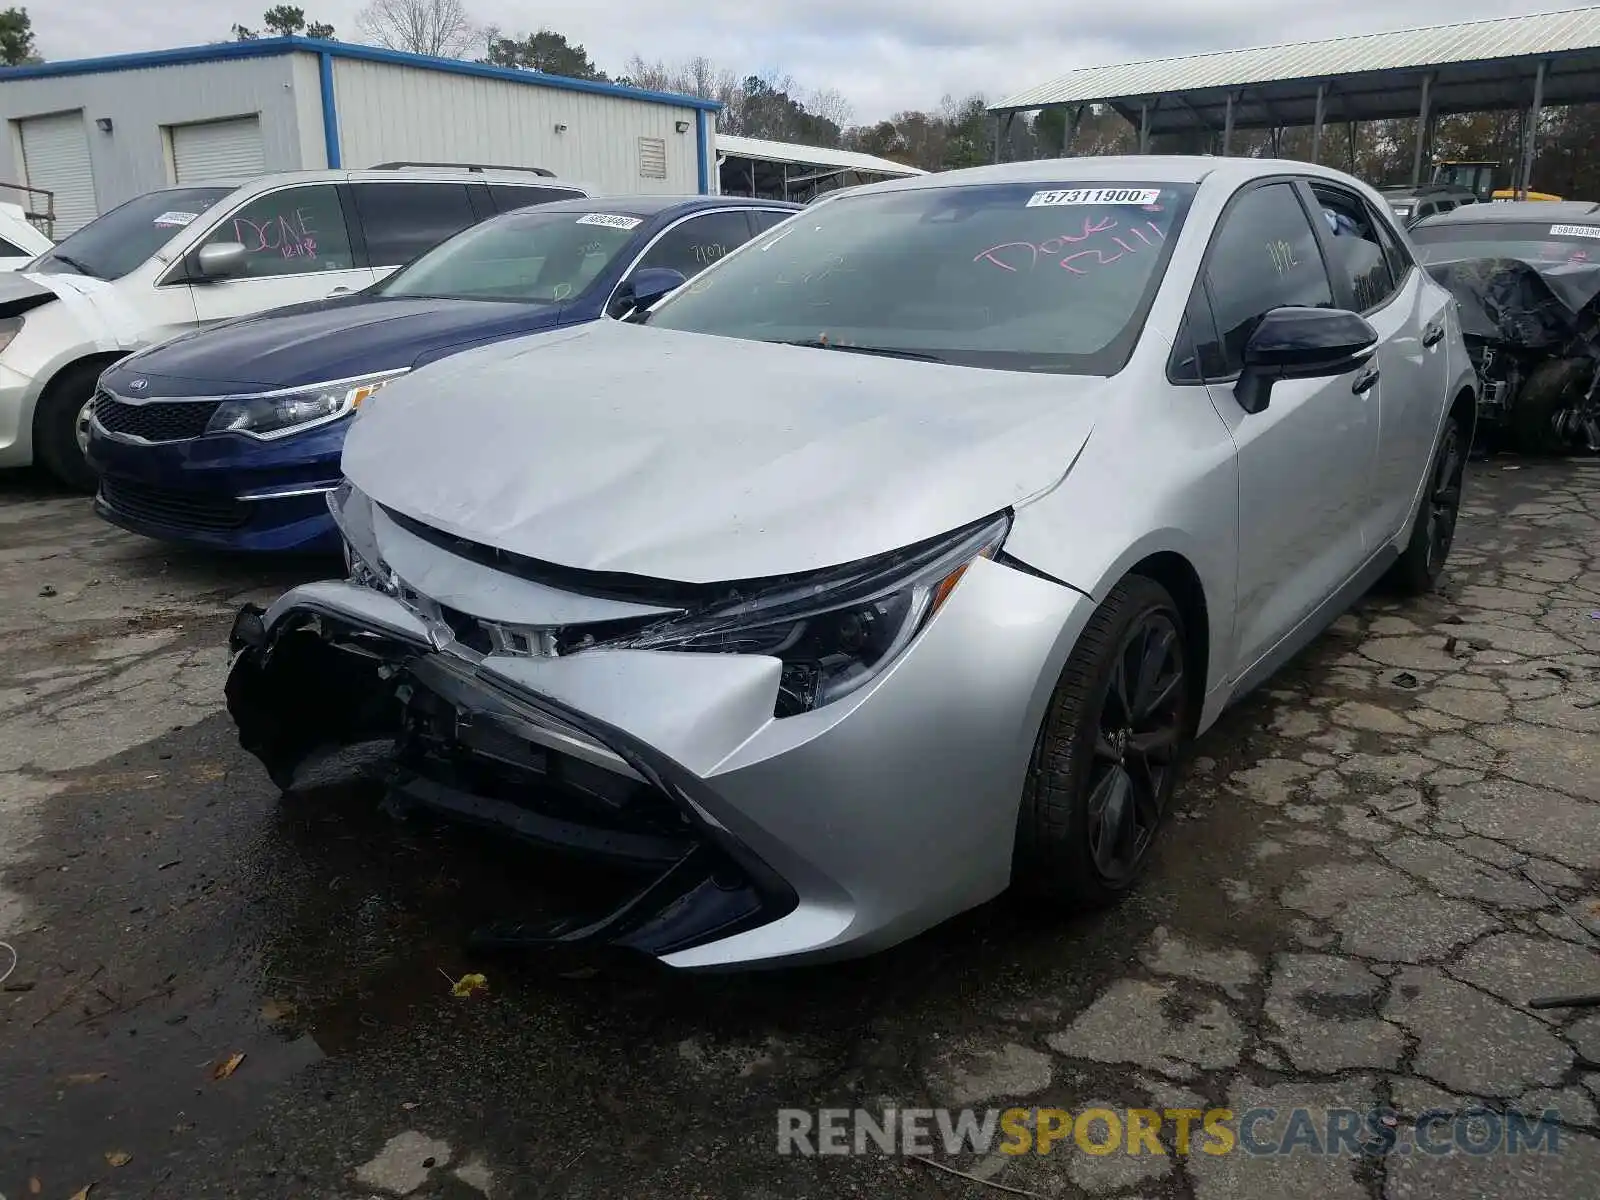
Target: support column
{"points": [[1144, 127], [997, 137], [1069, 130], [1530, 148], [1350, 144], [1316, 125], [1227, 127], [1422, 130]]}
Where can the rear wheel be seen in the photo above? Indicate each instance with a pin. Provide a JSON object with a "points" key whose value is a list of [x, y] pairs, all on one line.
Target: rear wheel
{"points": [[1107, 756], [61, 426], [1434, 531], [1536, 414]]}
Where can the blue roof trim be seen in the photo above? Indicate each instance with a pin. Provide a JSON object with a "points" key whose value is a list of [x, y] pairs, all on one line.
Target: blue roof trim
{"points": [[268, 47], [330, 114]]}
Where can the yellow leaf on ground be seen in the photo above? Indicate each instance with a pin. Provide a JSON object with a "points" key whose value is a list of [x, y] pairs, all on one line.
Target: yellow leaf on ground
{"points": [[469, 985], [224, 1069], [87, 1077], [83, 1195], [118, 1158], [34, 1186]]}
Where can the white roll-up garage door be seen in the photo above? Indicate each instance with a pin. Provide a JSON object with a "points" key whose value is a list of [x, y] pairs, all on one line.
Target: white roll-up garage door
{"points": [[55, 156], [218, 150]]}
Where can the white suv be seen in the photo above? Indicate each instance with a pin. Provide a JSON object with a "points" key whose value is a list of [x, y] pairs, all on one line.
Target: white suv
{"points": [[186, 256]]}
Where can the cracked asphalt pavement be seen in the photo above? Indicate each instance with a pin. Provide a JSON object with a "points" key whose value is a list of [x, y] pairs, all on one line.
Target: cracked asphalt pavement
{"points": [[1376, 862]]}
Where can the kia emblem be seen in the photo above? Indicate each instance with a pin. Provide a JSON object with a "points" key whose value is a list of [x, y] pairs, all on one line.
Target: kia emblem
{"points": [[138, 385]]}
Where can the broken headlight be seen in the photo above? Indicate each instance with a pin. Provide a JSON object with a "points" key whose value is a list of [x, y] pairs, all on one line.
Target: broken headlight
{"points": [[352, 513], [836, 630], [275, 414]]}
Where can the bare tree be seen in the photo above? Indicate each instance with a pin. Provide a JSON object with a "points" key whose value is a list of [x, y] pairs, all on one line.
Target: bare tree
{"points": [[437, 27]]}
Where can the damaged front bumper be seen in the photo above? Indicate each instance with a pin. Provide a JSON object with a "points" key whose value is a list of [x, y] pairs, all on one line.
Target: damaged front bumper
{"points": [[760, 840]]}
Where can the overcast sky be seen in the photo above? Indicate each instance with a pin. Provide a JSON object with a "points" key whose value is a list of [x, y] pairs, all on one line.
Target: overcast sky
{"points": [[883, 55]]}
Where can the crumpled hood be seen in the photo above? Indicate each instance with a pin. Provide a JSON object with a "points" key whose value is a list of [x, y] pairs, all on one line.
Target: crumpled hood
{"points": [[331, 339], [617, 447], [106, 320]]}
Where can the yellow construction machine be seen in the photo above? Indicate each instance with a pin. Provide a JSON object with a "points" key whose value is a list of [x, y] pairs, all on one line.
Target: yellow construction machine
{"points": [[1480, 178]]}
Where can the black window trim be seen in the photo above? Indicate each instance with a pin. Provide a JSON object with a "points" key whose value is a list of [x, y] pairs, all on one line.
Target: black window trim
{"points": [[1201, 272], [353, 216], [1341, 290], [178, 273], [573, 192]]}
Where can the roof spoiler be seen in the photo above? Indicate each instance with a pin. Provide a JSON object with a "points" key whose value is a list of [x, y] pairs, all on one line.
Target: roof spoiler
{"points": [[476, 167]]}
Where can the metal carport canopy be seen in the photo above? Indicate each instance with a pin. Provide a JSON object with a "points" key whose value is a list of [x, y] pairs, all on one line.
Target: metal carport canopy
{"points": [[1506, 62]]}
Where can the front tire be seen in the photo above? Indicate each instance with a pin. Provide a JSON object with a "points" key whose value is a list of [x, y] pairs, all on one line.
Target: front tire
{"points": [[60, 426], [1551, 388], [1108, 754], [1434, 531]]}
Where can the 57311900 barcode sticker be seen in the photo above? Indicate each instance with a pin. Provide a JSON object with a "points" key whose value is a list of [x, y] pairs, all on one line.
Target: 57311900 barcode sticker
{"points": [[610, 220], [1137, 196], [1588, 231]]}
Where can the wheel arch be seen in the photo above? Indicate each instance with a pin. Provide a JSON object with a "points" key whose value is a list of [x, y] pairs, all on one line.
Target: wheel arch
{"points": [[98, 359], [1182, 582]]}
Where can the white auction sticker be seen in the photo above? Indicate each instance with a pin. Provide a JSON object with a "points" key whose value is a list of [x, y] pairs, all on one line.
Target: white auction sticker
{"points": [[1138, 196], [175, 218], [1588, 231], [610, 220]]}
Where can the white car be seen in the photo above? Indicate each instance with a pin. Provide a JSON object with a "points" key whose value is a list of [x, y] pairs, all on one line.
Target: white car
{"points": [[186, 256], [20, 240]]}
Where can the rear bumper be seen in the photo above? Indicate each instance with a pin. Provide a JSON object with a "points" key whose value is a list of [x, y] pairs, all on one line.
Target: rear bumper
{"points": [[223, 491], [765, 841]]}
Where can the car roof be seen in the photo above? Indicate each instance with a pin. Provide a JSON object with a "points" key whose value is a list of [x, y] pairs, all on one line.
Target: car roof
{"points": [[650, 206], [1503, 211], [1119, 168], [440, 174]]}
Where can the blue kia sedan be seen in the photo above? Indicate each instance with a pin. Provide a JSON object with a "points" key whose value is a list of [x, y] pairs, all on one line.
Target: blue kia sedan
{"points": [[229, 437]]}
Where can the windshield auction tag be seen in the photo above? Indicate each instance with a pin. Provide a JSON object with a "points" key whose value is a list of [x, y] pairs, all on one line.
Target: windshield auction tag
{"points": [[176, 219], [1136, 196], [610, 220], [1588, 231]]}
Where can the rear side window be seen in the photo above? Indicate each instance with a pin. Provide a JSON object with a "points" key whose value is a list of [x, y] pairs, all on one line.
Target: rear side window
{"points": [[7, 250], [1263, 257], [401, 220], [766, 218], [507, 196], [1356, 256]]}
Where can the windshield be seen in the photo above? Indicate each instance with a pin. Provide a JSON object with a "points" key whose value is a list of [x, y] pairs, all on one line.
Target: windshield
{"points": [[116, 242], [1530, 241], [1016, 276], [539, 256]]}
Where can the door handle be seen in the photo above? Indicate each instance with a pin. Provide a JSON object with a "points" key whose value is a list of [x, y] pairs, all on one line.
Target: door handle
{"points": [[1433, 334], [1365, 380]]}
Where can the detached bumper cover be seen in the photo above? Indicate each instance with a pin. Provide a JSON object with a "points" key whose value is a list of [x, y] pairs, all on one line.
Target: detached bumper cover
{"points": [[764, 841]]}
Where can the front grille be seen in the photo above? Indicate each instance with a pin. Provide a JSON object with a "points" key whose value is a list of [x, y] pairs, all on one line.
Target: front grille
{"points": [[157, 421], [179, 510]]}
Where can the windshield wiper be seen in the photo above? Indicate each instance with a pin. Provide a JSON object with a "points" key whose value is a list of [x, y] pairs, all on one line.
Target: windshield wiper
{"points": [[880, 351], [68, 260]]}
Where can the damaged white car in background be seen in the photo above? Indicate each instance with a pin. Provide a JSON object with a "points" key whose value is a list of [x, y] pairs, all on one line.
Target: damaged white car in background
{"points": [[1043, 464]]}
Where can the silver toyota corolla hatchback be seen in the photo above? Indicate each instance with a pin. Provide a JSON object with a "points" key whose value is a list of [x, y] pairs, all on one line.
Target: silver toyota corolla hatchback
{"points": [[895, 560]]}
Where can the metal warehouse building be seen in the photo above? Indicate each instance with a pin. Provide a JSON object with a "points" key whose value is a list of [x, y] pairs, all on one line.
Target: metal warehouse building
{"points": [[95, 132]]}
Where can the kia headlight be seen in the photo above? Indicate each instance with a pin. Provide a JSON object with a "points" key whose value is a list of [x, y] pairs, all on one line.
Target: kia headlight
{"points": [[837, 630], [275, 414]]}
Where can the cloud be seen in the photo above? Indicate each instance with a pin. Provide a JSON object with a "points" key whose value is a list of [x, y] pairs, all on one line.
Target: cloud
{"points": [[882, 55]]}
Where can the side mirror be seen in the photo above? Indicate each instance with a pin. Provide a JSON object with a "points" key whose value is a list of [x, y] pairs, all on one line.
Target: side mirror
{"points": [[646, 286], [220, 260], [1301, 343]]}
